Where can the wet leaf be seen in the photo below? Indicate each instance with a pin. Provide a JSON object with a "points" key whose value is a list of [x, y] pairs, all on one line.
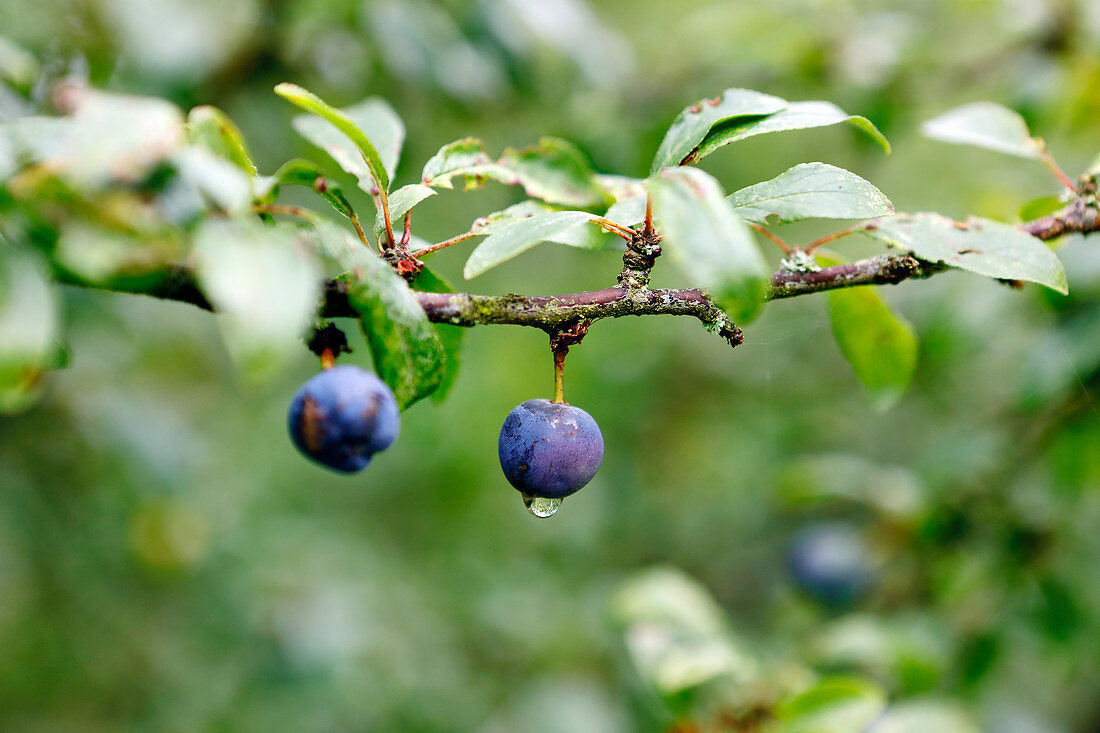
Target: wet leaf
{"points": [[922, 716], [583, 237], [627, 212], [114, 138], [464, 158], [809, 191], [402, 202], [677, 636], [984, 125], [219, 181], [521, 235], [880, 346], [833, 705], [265, 283], [451, 338], [694, 123], [979, 245], [211, 128], [403, 343], [303, 173], [795, 116], [365, 139], [553, 170], [708, 242]]}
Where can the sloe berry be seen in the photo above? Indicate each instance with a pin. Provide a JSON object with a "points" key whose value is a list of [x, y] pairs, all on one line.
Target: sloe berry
{"points": [[342, 416], [830, 562], [549, 450]]}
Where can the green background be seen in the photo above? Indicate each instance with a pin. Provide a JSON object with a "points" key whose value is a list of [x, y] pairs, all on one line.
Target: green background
{"points": [[169, 562]]}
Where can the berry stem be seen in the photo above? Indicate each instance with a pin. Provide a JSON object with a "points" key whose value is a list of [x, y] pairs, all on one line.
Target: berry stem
{"points": [[559, 375]]}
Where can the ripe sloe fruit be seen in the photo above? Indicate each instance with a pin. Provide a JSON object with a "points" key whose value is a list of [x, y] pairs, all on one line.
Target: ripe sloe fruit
{"points": [[342, 416], [549, 450], [830, 562]]}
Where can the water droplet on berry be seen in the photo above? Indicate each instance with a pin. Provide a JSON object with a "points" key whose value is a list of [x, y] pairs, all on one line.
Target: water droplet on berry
{"points": [[540, 506]]}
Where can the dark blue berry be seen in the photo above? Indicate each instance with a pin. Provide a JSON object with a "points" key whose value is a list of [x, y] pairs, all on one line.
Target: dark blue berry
{"points": [[830, 562], [549, 450], [342, 416]]}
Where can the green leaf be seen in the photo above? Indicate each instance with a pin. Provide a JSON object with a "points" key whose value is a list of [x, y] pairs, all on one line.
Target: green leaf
{"points": [[466, 158], [913, 651], [451, 338], [823, 481], [218, 180], [796, 116], [693, 124], [923, 716], [211, 128], [809, 191], [582, 237], [344, 135], [980, 245], [498, 220], [116, 138], [619, 188], [984, 125], [677, 635], [264, 282], [1040, 207], [553, 170], [302, 173], [708, 242], [28, 328], [96, 254], [628, 212], [834, 705], [401, 202], [403, 343], [880, 346], [520, 236]]}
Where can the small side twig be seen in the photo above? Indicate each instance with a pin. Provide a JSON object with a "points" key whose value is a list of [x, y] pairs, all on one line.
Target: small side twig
{"points": [[834, 236], [407, 234], [444, 244], [1052, 165], [770, 235]]}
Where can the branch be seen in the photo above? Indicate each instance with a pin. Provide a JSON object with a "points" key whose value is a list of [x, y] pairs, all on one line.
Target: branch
{"points": [[553, 313], [880, 270], [1081, 215], [550, 313]]}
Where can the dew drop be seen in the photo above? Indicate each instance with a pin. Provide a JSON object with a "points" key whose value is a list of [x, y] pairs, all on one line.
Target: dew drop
{"points": [[540, 506]]}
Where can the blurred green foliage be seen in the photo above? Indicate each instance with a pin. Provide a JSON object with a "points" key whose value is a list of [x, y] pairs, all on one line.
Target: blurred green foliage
{"points": [[168, 562]]}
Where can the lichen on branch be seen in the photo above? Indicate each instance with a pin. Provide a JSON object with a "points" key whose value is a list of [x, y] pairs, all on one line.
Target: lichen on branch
{"points": [[632, 297]]}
